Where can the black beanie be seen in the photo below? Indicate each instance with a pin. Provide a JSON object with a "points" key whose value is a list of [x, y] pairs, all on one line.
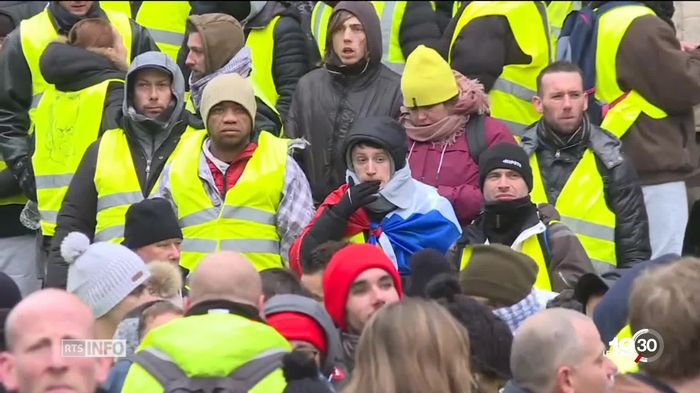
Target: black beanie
{"points": [[505, 156], [150, 221]]}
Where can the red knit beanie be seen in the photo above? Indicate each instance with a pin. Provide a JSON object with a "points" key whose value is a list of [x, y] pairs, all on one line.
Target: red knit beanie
{"points": [[344, 267], [297, 326]]}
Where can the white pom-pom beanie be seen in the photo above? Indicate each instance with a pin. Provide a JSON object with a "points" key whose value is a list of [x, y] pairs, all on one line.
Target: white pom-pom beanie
{"points": [[101, 274]]}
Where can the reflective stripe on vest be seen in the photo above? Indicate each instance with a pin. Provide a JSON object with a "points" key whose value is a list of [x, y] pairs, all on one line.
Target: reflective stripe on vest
{"points": [[37, 32], [320, 17], [391, 15], [581, 204], [166, 22], [262, 47], [612, 26], [557, 11], [117, 183], [247, 221], [512, 91], [531, 246], [66, 123], [18, 199]]}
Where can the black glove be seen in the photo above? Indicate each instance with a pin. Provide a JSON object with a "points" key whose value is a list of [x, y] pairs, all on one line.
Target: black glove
{"points": [[566, 300], [356, 197]]}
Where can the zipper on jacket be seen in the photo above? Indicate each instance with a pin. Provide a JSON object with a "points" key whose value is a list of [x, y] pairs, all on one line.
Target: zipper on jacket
{"points": [[148, 168]]}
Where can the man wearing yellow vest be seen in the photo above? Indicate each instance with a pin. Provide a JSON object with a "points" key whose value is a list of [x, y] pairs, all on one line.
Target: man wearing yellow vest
{"points": [[223, 331], [231, 193], [275, 44], [22, 82], [578, 168], [516, 34], [124, 165], [511, 218], [650, 86]]}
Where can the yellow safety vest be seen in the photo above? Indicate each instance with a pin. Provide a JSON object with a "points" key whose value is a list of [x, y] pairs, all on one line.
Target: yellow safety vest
{"points": [[390, 15], [531, 247], [166, 21], [66, 123], [38, 31], [624, 362], [247, 220], [612, 26], [262, 47], [117, 183], [224, 342], [455, 7], [557, 11], [118, 6], [581, 204], [511, 93]]}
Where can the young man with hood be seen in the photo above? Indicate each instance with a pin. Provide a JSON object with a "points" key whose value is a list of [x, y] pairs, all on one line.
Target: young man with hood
{"points": [[123, 166], [509, 217], [308, 327], [23, 83], [380, 203], [352, 85], [578, 168], [358, 281], [277, 45], [231, 193]]}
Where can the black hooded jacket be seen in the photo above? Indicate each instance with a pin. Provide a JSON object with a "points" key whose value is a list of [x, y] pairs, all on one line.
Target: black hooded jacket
{"points": [[328, 100], [16, 92], [329, 225]]}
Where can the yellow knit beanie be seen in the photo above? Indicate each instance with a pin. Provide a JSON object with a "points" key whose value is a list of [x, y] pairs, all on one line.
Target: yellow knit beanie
{"points": [[228, 87], [427, 79]]}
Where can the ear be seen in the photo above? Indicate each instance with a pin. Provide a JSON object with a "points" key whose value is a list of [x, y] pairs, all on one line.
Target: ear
{"points": [[186, 303], [537, 102], [564, 380], [261, 306], [7, 372], [103, 367], [585, 101]]}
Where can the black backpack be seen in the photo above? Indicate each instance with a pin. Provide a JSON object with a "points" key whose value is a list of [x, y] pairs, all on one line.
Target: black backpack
{"points": [[174, 380]]}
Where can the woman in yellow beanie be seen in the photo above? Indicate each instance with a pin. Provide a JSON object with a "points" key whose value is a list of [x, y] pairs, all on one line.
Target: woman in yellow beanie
{"points": [[439, 107]]}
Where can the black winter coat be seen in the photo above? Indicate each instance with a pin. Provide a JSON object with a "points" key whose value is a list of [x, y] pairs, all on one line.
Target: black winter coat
{"points": [[16, 93], [623, 194]]}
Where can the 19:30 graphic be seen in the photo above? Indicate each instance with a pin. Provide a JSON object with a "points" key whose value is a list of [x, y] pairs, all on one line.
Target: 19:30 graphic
{"points": [[646, 345]]}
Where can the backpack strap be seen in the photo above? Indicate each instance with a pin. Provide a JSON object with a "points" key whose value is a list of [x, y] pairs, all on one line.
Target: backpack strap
{"points": [[251, 373], [161, 367], [173, 379], [476, 136]]}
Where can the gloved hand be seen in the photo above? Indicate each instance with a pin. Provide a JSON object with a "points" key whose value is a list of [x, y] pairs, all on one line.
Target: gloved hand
{"points": [[566, 299], [356, 197]]}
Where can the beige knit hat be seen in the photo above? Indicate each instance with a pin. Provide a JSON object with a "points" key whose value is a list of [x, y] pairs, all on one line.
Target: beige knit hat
{"points": [[228, 87]]}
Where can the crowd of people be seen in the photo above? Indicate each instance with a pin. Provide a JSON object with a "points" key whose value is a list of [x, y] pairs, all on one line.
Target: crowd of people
{"points": [[353, 196]]}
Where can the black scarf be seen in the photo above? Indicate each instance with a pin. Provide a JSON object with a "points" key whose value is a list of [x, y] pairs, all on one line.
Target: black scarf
{"points": [[64, 20], [505, 220]]}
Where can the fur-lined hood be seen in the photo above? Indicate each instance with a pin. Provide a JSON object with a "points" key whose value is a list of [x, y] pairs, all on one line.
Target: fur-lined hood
{"points": [[72, 68]]}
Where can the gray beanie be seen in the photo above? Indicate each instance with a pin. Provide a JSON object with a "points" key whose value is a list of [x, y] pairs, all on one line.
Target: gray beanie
{"points": [[101, 274]]}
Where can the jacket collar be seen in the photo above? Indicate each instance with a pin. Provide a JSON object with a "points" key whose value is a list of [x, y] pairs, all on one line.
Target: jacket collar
{"points": [[225, 306]]}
